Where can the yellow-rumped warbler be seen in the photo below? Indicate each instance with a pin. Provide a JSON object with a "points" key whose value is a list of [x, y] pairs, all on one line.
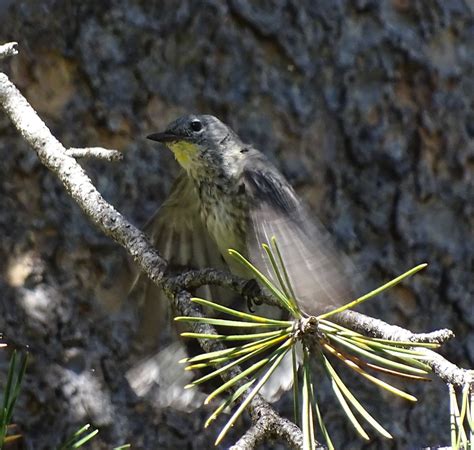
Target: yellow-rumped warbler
{"points": [[230, 195]]}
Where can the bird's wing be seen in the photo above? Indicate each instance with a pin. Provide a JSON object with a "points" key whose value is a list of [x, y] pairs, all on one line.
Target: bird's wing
{"points": [[320, 276], [177, 232]]}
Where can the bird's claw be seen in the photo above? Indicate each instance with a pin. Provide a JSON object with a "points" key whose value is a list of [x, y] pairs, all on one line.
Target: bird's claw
{"points": [[251, 292]]}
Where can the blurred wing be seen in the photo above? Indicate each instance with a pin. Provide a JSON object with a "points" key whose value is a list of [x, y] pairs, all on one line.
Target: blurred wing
{"points": [[177, 232], [179, 235], [320, 277], [161, 379]]}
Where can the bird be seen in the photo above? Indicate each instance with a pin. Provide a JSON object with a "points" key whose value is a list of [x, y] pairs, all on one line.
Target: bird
{"points": [[229, 195]]}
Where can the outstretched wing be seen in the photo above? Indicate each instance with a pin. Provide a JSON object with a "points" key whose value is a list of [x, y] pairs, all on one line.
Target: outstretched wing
{"points": [[319, 275], [177, 232]]}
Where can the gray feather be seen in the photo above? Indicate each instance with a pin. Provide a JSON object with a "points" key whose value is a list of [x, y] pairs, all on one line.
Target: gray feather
{"points": [[320, 276], [177, 232], [160, 378]]}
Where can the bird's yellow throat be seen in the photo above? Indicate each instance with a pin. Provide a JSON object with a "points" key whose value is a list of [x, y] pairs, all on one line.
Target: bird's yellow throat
{"points": [[183, 152]]}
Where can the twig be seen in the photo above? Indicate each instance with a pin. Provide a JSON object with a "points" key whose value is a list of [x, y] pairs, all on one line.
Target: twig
{"points": [[378, 328], [95, 152], [252, 437], [79, 186], [444, 369], [266, 427], [259, 409], [193, 279], [8, 49], [447, 371]]}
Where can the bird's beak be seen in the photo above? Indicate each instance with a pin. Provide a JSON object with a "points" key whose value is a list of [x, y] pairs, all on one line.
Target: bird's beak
{"points": [[163, 137]]}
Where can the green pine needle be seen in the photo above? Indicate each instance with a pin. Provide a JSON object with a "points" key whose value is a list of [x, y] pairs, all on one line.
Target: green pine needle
{"points": [[16, 372], [289, 302], [260, 276], [352, 364], [235, 351], [375, 292], [240, 314], [229, 401], [307, 424], [285, 273], [358, 352], [235, 337], [228, 384], [227, 367], [274, 362], [76, 441], [355, 403], [373, 356], [228, 323], [296, 403]]}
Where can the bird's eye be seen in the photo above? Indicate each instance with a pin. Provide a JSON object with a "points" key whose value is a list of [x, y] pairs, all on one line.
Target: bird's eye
{"points": [[196, 125]]}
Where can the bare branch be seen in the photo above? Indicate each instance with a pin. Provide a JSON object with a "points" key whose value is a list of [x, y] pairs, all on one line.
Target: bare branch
{"points": [[79, 186], [378, 328], [193, 279], [95, 152], [259, 409], [444, 369], [273, 427], [8, 49], [252, 437]]}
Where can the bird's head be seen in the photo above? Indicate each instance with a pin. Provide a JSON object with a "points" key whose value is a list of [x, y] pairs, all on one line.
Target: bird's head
{"points": [[200, 143]]}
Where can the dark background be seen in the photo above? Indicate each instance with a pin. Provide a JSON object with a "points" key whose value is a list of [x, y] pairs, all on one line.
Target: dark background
{"points": [[366, 106]]}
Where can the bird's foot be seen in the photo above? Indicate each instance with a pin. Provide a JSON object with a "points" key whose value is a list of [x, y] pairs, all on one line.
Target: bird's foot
{"points": [[251, 292]]}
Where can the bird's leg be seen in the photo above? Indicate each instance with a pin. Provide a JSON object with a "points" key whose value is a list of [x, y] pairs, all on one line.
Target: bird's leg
{"points": [[251, 291]]}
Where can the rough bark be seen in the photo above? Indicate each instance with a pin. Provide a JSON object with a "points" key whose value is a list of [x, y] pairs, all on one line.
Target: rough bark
{"points": [[366, 106]]}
